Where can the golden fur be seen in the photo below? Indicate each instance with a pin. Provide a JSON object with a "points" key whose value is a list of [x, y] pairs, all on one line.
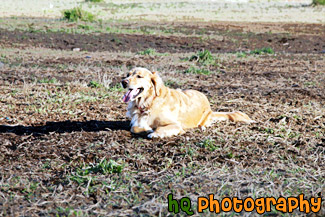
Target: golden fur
{"points": [[161, 111]]}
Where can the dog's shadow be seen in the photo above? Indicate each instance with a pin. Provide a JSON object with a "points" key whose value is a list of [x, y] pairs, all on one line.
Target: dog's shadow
{"points": [[66, 127]]}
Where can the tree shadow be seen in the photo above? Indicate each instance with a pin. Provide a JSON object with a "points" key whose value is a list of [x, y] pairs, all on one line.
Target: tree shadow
{"points": [[66, 127]]}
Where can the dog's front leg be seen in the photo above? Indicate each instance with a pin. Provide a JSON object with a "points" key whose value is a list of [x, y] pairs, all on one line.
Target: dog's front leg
{"points": [[136, 129], [140, 125], [166, 131]]}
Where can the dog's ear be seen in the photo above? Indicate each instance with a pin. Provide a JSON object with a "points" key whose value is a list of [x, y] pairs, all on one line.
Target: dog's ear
{"points": [[157, 83]]}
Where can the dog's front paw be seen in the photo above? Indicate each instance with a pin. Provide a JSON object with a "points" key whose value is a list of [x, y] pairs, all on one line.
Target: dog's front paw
{"points": [[154, 135]]}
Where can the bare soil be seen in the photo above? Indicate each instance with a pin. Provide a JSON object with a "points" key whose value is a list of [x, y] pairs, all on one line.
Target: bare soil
{"points": [[302, 38], [53, 131]]}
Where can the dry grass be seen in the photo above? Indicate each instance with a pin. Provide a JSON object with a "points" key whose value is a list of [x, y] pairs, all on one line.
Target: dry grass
{"points": [[66, 148], [301, 11]]}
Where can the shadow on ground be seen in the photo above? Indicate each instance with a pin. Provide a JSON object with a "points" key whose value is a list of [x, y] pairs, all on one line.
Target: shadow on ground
{"points": [[66, 127]]}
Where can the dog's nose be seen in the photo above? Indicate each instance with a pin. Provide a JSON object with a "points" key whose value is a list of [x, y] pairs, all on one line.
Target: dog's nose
{"points": [[125, 83]]}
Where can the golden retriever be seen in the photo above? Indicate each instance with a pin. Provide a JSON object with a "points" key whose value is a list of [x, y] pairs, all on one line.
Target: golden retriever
{"points": [[161, 112]]}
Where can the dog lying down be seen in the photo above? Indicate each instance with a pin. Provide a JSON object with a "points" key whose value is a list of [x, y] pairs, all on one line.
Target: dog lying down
{"points": [[160, 111]]}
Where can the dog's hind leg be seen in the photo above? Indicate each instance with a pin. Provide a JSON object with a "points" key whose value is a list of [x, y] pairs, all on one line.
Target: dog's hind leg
{"points": [[206, 121]]}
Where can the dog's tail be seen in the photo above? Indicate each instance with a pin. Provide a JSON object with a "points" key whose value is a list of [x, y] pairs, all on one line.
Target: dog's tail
{"points": [[212, 117], [236, 116]]}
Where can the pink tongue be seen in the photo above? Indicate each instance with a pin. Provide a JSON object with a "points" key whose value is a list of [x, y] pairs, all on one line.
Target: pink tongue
{"points": [[129, 95]]}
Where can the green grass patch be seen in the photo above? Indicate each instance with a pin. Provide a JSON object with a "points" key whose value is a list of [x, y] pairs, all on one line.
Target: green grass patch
{"points": [[194, 70], [241, 54], [48, 81], [76, 14], [269, 130], [208, 144], [318, 2], [204, 57], [264, 50], [103, 167], [117, 88], [171, 83], [85, 27], [151, 52], [29, 191], [310, 84], [94, 84]]}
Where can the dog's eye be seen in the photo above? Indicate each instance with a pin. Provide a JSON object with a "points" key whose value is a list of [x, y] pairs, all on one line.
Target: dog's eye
{"points": [[128, 75], [139, 76]]}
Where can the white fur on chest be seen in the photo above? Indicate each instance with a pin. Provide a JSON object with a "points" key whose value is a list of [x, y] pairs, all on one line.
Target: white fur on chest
{"points": [[138, 119]]}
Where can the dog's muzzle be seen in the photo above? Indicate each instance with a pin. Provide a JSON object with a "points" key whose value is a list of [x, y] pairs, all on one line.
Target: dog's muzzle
{"points": [[124, 83]]}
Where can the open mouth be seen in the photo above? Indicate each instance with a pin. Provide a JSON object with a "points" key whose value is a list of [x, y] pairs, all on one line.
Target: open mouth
{"points": [[132, 94]]}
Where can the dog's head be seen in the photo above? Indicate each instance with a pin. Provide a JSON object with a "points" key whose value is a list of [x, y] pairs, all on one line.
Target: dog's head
{"points": [[140, 82]]}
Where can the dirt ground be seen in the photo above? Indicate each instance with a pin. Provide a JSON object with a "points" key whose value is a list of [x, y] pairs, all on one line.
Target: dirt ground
{"points": [[65, 144]]}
